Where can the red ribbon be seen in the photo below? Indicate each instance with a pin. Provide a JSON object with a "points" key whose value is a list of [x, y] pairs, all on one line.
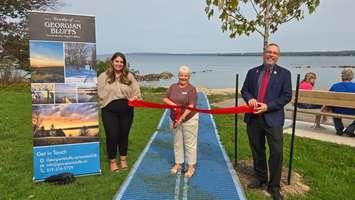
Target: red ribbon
{"points": [[228, 110]]}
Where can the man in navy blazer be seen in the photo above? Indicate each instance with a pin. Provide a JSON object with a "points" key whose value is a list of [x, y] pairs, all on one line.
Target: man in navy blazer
{"points": [[267, 88]]}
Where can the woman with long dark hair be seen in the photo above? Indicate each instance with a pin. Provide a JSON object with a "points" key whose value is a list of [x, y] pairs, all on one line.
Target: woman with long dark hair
{"points": [[116, 86]]}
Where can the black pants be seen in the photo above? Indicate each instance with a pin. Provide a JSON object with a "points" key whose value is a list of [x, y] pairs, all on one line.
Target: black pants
{"points": [[257, 129], [339, 126], [117, 118]]}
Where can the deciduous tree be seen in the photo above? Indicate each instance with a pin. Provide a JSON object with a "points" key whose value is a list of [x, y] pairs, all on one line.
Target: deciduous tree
{"points": [[243, 17], [13, 27]]}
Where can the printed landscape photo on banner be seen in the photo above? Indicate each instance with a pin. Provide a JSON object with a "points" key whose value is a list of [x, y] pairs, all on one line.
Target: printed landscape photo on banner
{"points": [[64, 123], [42, 93], [80, 62], [65, 93], [87, 93], [47, 62]]}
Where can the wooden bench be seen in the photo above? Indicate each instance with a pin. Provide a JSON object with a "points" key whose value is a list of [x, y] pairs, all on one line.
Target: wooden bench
{"points": [[325, 98]]}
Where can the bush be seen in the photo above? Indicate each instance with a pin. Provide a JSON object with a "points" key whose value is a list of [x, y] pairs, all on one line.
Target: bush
{"points": [[101, 66], [10, 72]]}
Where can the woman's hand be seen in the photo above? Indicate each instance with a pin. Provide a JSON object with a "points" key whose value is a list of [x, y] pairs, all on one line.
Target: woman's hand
{"points": [[133, 98], [179, 121], [176, 123]]}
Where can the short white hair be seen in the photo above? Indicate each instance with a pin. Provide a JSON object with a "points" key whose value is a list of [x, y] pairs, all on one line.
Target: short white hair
{"points": [[347, 75], [185, 69]]}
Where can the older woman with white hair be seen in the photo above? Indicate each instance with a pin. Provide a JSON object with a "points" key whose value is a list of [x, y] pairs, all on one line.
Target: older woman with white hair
{"points": [[184, 124]]}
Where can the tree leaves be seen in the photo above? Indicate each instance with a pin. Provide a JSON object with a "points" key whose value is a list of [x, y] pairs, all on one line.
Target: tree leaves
{"points": [[269, 13], [13, 30]]}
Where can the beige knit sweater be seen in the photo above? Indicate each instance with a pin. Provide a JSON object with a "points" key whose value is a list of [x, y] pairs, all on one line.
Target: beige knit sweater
{"points": [[116, 90]]}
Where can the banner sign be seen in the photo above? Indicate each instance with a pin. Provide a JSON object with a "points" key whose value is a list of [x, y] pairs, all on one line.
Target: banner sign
{"points": [[65, 123], [60, 27]]}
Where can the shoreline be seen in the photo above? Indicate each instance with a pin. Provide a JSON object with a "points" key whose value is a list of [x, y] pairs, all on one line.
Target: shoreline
{"points": [[215, 91]]}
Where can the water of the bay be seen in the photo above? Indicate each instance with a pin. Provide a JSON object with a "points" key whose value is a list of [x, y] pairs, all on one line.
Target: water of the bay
{"points": [[219, 71]]}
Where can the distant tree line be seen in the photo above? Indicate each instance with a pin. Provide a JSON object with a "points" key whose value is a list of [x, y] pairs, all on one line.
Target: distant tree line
{"points": [[305, 53]]}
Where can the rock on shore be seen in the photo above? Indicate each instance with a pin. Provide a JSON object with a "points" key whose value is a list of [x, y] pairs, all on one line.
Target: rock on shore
{"points": [[219, 91], [154, 77]]}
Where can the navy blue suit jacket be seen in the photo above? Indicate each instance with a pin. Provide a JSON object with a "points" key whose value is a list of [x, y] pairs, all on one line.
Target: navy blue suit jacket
{"points": [[278, 93]]}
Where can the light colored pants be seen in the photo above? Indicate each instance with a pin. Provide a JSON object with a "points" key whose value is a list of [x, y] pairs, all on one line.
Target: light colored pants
{"points": [[185, 141]]}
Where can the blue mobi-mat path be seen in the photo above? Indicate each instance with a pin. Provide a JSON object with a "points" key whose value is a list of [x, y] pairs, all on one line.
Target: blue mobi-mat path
{"points": [[214, 177]]}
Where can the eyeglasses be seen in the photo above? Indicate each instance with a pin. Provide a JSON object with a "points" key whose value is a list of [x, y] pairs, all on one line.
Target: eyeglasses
{"points": [[272, 52]]}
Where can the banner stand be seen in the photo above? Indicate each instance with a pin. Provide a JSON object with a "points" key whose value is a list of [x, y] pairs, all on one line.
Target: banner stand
{"points": [[65, 122]]}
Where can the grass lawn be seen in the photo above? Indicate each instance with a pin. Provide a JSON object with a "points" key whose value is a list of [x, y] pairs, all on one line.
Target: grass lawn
{"points": [[328, 169], [16, 166]]}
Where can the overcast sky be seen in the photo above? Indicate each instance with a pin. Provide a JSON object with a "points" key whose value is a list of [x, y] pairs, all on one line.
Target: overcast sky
{"points": [[181, 26]]}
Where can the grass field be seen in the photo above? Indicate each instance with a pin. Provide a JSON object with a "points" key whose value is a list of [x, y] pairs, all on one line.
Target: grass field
{"points": [[328, 169]]}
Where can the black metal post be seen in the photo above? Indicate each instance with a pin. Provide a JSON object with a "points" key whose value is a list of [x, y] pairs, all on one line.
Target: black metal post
{"points": [[236, 122], [293, 129]]}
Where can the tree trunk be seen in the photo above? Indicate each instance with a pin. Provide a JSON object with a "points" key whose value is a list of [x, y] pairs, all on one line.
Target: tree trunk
{"points": [[267, 24]]}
